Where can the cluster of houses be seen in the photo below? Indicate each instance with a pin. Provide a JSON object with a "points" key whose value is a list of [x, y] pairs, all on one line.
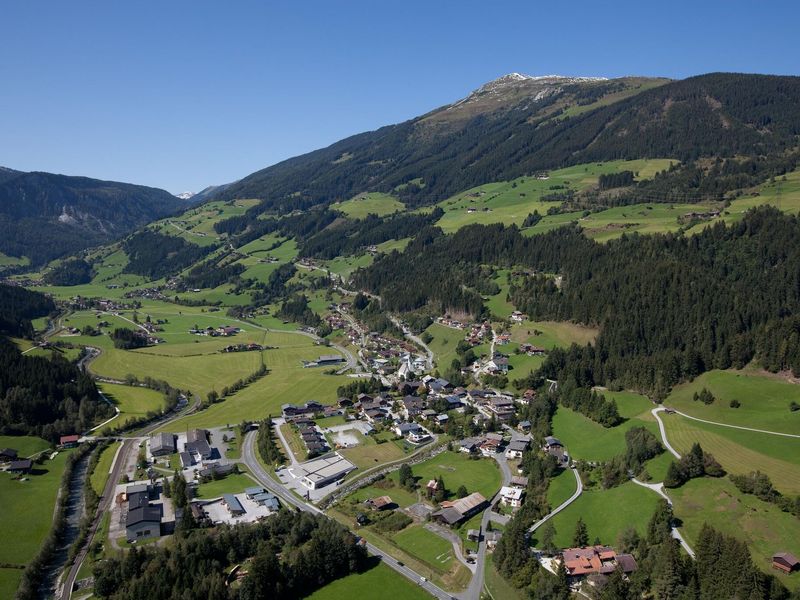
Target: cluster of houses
{"points": [[221, 331], [479, 333], [448, 321], [196, 449], [312, 437], [491, 444]]}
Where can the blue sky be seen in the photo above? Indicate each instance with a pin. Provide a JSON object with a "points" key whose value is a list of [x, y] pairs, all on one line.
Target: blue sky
{"points": [[181, 95]]}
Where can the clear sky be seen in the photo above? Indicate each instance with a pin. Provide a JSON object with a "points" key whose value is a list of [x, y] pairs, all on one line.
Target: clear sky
{"points": [[184, 94]]}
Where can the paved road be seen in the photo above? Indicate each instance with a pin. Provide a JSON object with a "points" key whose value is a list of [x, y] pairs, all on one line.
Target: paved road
{"points": [[249, 459], [658, 488], [475, 587], [663, 431], [563, 505]]}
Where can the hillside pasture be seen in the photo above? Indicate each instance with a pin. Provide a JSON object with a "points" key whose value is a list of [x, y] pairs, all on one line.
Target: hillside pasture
{"points": [[764, 527], [764, 400], [375, 203], [371, 585], [132, 401]]}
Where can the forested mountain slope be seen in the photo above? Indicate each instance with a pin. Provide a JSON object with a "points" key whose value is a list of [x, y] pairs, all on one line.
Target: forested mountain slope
{"points": [[542, 124], [43, 215]]}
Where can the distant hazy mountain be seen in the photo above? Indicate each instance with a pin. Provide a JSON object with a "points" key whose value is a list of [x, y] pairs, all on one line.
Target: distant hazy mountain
{"points": [[43, 216], [209, 193], [185, 195]]}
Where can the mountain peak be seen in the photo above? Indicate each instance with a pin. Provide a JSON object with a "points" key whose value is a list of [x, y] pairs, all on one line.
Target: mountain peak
{"points": [[185, 195]]}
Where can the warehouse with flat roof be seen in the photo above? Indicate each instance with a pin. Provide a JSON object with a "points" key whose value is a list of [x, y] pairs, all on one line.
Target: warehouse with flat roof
{"points": [[323, 471]]}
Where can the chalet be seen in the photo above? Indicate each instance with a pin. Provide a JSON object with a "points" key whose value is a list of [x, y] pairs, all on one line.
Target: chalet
{"points": [[69, 441], [442, 419], [785, 561], [498, 365], [456, 511], [375, 414], [516, 448], [162, 444], [303, 410], [413, 406], [233, 505], [380, 503], [470, 445], [551, 443], [524, 426], [438, 385], [344, 402], [7, 455], [490, 447], [454, 402], [429, 414], [197, 443], [502, 407], [474, 535], [503, 339], [511, 496], [227, 330], [143, 523], [518, 317], [595, 560], [532, 350], [491, 538], [519, 481], [20, 466]]}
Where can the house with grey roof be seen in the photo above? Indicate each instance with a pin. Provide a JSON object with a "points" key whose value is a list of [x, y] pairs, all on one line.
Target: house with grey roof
{"points": [[162, 444]]}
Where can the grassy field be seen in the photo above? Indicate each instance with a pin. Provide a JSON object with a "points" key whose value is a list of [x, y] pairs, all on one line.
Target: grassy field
{"points": [[641, 218], [133, 402], [9, 582], [369, 453], [741, 451], [373, 584], [499, 305], [588, 440], [234, 483], [764, 527], [28, 509], [25, 445], [606, 513], [99, 476], [458, 469], [511, 201], [562, 486], [375, 203], [552, 334], [764, 400], [389, 487], [426, 546], [443, 345]]}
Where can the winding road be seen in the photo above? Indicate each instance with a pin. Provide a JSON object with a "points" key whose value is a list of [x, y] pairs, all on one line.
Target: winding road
{"points": [[249, 458], [563, 505]]}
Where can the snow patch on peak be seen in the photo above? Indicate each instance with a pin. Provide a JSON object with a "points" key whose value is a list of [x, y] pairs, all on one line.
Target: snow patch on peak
{"points": [[185, 195]]}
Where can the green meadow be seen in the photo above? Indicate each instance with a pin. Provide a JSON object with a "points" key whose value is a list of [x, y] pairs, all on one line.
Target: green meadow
{"points": [[27, 513], [25, 445], [235, 483], [606, 513], [425, 545], [510, 202], [373, 584], [375, 203], [587, 440], [764, 400], [132, 402], [99, 476], [763, 526], [561, 487], [741, 452]]}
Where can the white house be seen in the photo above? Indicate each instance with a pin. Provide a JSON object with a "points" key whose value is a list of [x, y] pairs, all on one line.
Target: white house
{"points": [[511, 496]]}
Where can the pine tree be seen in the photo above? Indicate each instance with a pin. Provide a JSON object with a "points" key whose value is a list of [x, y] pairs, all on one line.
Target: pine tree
{"points": [[547, 542], [667, 571], [581, 536], [616, 587]]}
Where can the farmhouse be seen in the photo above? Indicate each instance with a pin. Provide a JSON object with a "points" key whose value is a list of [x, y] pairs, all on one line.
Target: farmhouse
{"points": [[20, 466], [162, 444], [511, 496], [453, 512], [308, 409], [785, 561], [143, 522], [69, 441], [470, 445], [596, 560], [187, 460], [490, 447], [380, 503], [516, 448], [323, 471], [7, 455], [519, 481]]}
